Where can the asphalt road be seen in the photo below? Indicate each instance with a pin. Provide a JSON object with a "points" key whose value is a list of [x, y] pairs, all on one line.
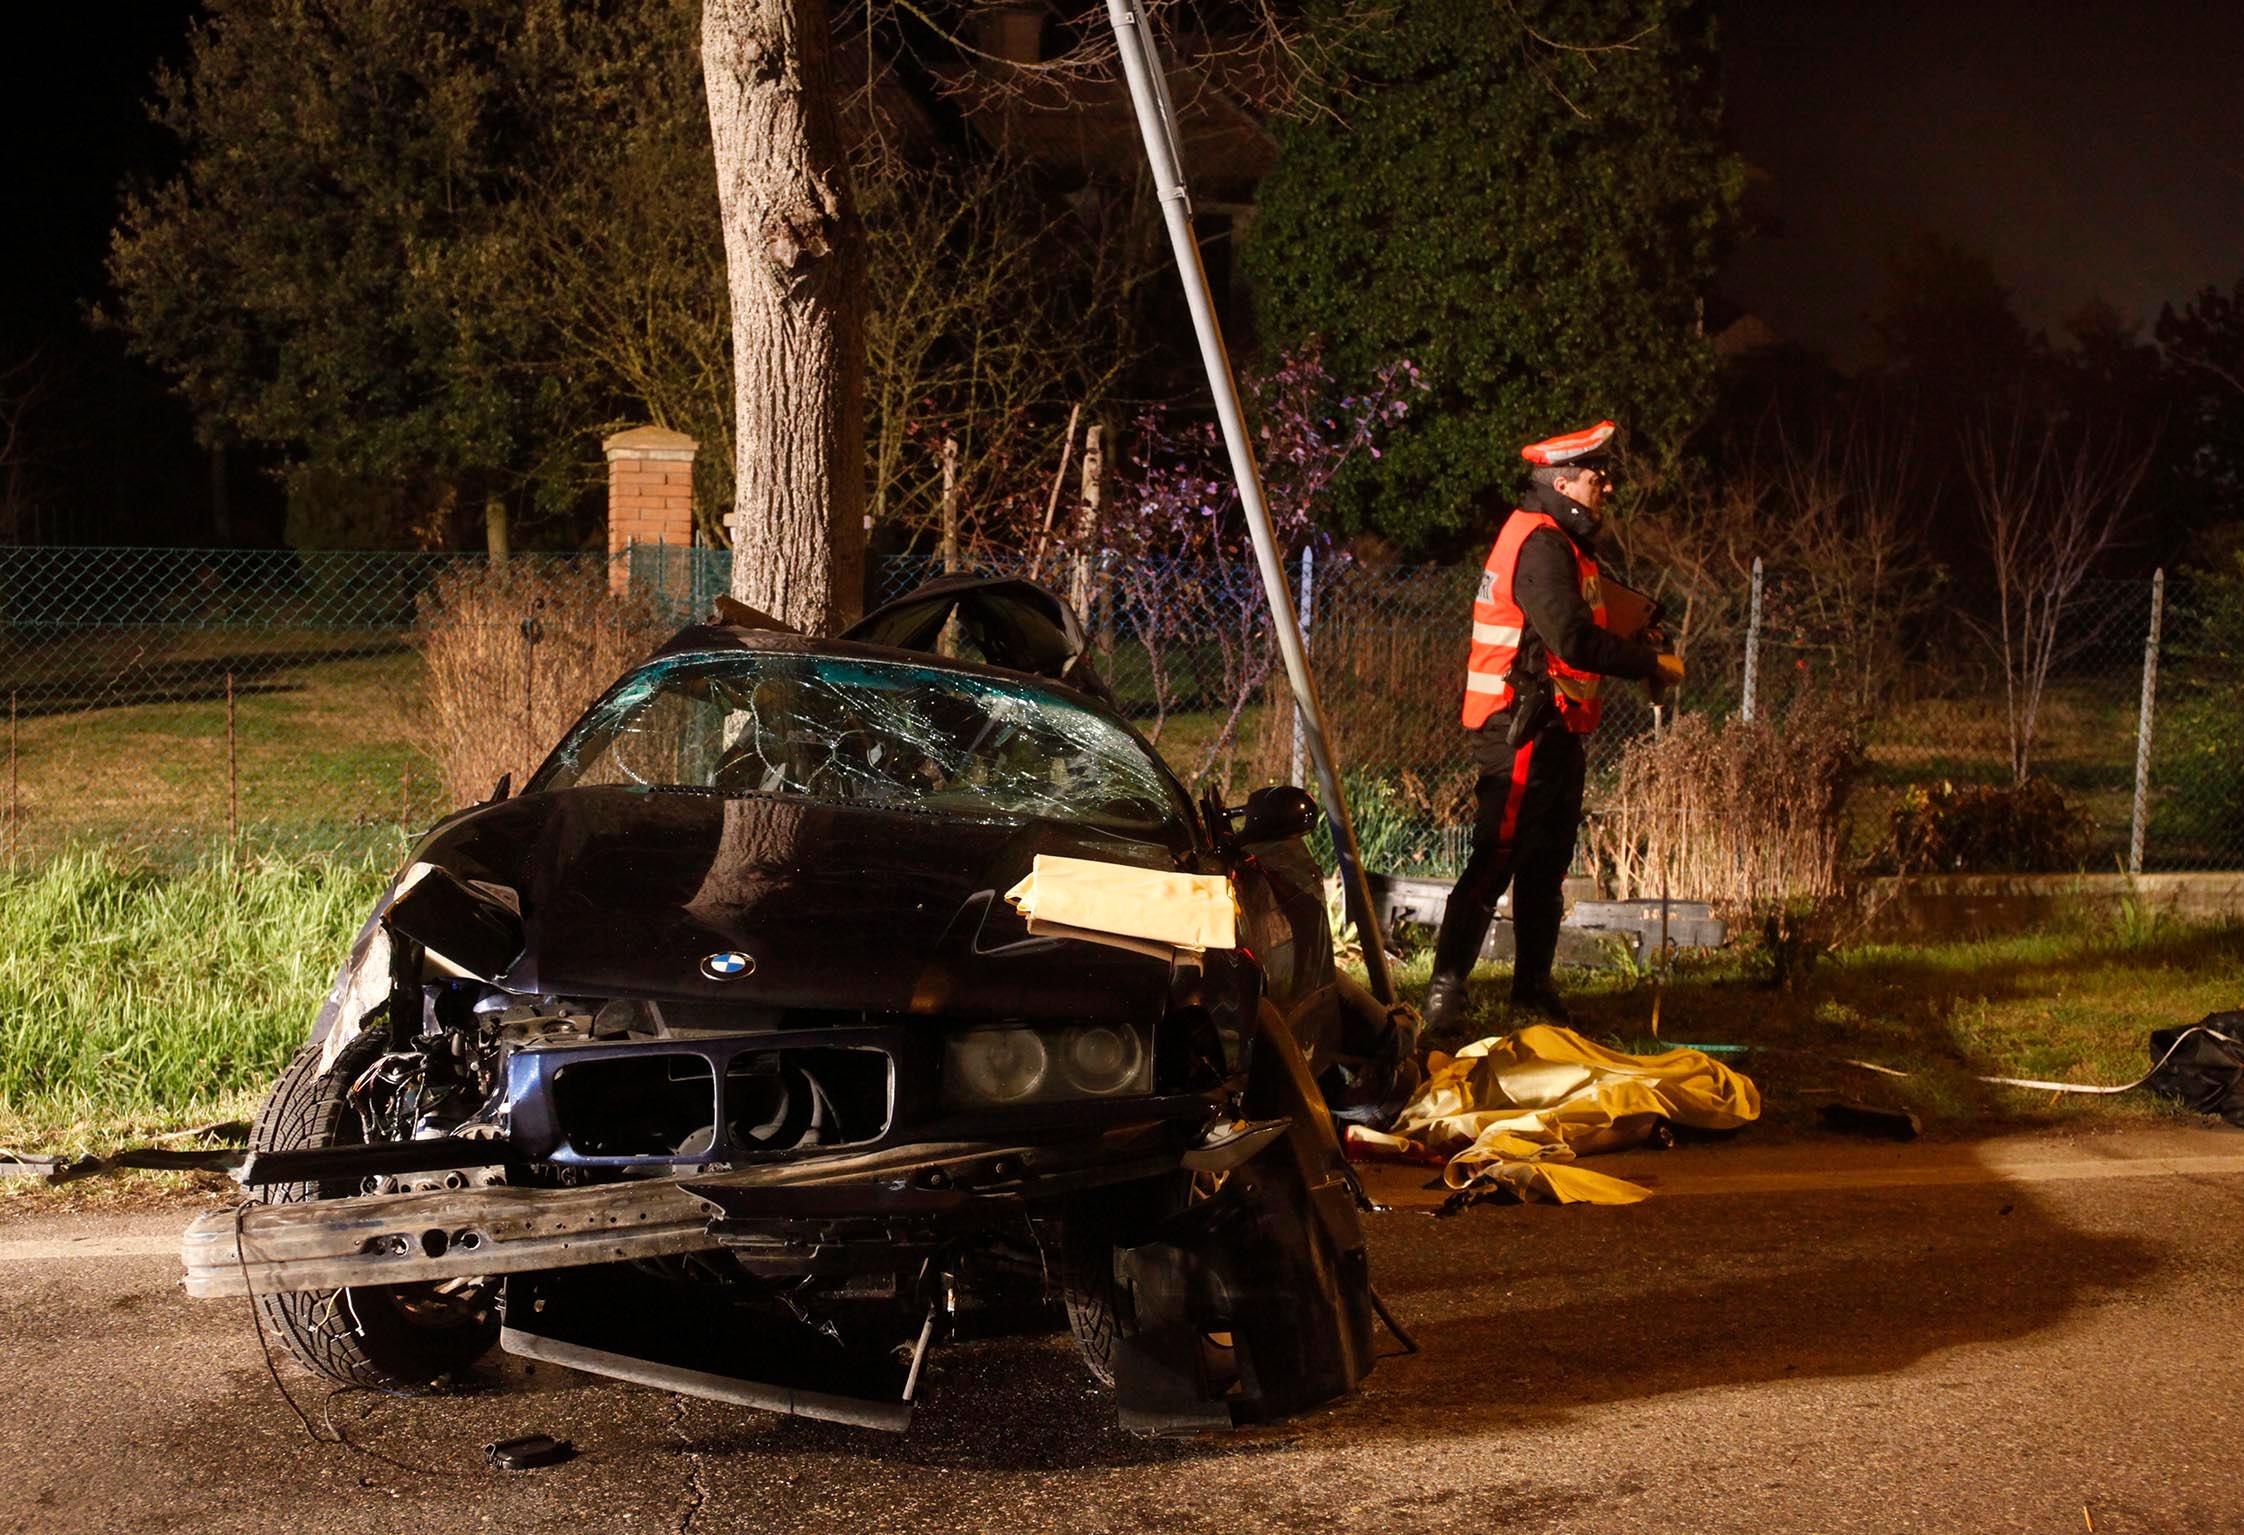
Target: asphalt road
{"points": [[2033, 1335]]}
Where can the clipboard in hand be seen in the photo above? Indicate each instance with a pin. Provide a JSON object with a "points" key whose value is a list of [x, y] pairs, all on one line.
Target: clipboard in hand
{"points": [[1628, 612]]}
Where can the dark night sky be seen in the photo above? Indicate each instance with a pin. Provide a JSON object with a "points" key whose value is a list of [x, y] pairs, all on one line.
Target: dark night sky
{"points": [[2087, 149], [72, 80]]}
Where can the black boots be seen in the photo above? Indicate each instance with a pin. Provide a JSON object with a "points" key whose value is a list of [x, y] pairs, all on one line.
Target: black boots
{"points": [[1445, 1006], [1539, 997]]}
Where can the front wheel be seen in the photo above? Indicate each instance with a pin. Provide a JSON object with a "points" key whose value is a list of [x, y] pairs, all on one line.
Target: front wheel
{"points": [[1093, 1233], [388, 1337]]}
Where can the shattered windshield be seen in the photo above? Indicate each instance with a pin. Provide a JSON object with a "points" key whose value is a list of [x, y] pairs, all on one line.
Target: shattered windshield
{"points": [[879, 733]]}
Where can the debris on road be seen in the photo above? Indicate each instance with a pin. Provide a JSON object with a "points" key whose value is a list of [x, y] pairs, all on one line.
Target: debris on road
{"points": [[52, 1170], [2202, 1068], [1854, 1118], [527, 1452]]}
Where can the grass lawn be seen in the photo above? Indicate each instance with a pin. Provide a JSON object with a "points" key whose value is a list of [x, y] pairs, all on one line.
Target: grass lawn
{"points": [[2084, 743], [324, 754], [138, 1000], [2071, 1004]]}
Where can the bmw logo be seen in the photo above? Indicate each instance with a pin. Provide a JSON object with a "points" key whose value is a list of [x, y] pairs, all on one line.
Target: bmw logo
{"points": [[731, 965]]}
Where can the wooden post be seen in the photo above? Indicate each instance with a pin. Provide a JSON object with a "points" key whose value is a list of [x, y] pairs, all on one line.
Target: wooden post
{"points": [[1747, 704], [15, 812], [1059, 477], [1307, 606], [2143, 712], [533, 630], [233, 775], [494, 530], [1087, 520], [947, 642]]}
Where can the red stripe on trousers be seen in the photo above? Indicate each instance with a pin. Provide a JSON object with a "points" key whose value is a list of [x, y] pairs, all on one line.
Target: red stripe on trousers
{"points": [[1517, 792]]}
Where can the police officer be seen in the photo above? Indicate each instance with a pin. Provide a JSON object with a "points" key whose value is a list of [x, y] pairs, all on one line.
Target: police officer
{"points": [[1541, 650]]}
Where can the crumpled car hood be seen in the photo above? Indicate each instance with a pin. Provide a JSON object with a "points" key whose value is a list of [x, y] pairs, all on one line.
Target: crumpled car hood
{"points": [[625, 891]]}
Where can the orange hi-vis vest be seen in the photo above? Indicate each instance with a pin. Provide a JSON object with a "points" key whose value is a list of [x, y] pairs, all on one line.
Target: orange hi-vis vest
{"points": [[1498, 623]]}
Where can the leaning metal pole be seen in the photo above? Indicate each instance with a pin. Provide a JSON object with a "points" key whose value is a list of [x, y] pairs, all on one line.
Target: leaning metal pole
{"points": [[1149, 92]]}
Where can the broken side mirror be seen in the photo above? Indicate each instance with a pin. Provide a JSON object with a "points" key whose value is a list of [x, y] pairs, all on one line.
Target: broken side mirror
{"points": [[1275, 814], [501, 789]]}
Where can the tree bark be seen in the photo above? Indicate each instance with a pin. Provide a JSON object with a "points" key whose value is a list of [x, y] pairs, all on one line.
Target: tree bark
{"points": [[794, 260], [1087, 521]]}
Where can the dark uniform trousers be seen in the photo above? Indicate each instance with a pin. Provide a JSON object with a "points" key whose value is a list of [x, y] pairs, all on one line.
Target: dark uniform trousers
{"points": [[1528, 809]]}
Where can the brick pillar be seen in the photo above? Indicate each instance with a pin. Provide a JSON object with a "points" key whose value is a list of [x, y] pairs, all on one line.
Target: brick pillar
{"points": [[650, 494]]}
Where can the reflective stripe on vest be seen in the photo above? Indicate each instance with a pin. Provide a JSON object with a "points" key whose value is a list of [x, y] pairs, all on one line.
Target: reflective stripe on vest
{"points": [[1499, 623]]}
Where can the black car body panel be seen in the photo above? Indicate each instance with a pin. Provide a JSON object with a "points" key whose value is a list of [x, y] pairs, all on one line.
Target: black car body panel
{"points": [[626, 890]]}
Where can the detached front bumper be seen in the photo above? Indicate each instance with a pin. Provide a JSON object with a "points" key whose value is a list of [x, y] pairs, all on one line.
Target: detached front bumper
{"points": [[389, 1239]]}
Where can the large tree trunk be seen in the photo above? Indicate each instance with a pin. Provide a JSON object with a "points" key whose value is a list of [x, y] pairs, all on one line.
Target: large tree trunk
{"points": [[795, 263]]}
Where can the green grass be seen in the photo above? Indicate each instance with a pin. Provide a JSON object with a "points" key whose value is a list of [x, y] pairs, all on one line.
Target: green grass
{"points": [[136, 999], [323, 752], [2069, 1005], [2084, 743]]}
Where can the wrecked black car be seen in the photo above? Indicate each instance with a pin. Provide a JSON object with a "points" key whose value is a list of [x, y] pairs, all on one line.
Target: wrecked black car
{"points": [[716, 1059]]}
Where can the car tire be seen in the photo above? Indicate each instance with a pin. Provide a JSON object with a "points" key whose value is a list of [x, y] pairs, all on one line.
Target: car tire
{"points": [[400, 1338], [1093, 1232]]}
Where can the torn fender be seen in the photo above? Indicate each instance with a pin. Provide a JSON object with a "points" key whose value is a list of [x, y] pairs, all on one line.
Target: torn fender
{"points": [[1274, 1262]]}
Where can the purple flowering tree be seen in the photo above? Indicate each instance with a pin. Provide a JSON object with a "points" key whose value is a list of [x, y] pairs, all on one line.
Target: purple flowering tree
{"points": [[1184, 583]]}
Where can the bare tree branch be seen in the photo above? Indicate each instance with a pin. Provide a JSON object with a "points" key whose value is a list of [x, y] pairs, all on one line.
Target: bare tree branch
{"points": [[2050, 502], [2228, 376]]}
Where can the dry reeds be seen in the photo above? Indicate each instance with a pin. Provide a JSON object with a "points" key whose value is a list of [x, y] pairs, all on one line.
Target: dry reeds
{"points": [[1747, 815], [512, 654]]}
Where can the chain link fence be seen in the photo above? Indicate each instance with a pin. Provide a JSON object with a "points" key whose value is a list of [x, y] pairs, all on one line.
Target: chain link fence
{"points": [[169, 701]]}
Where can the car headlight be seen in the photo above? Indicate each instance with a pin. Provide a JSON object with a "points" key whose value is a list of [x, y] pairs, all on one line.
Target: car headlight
{"points": [[1100, 1058], [1023, 1064], [997, 1065]]}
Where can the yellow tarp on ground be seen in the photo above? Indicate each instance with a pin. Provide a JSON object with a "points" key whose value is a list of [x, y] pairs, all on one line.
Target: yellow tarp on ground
{"points": [[1517, 1110]]}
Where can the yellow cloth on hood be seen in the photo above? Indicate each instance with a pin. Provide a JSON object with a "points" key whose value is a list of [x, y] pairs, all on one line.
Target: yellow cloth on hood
{"points": [[1188, 911], [1517, 1109]]}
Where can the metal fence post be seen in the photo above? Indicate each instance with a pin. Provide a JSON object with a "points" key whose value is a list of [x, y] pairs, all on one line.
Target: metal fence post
{"points": [[1752, 648], [1308, 612], [233, 776], [2143, 714]]}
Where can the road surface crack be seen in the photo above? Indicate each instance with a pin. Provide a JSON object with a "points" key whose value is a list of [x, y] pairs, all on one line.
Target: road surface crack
{"points": [[697, 1486]]}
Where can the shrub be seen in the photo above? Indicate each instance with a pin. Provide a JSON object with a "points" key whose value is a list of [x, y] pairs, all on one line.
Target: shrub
{"points": [[2028, 828], [1748, 815], [512, 655], [2200, 727], [1400, 829]]}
